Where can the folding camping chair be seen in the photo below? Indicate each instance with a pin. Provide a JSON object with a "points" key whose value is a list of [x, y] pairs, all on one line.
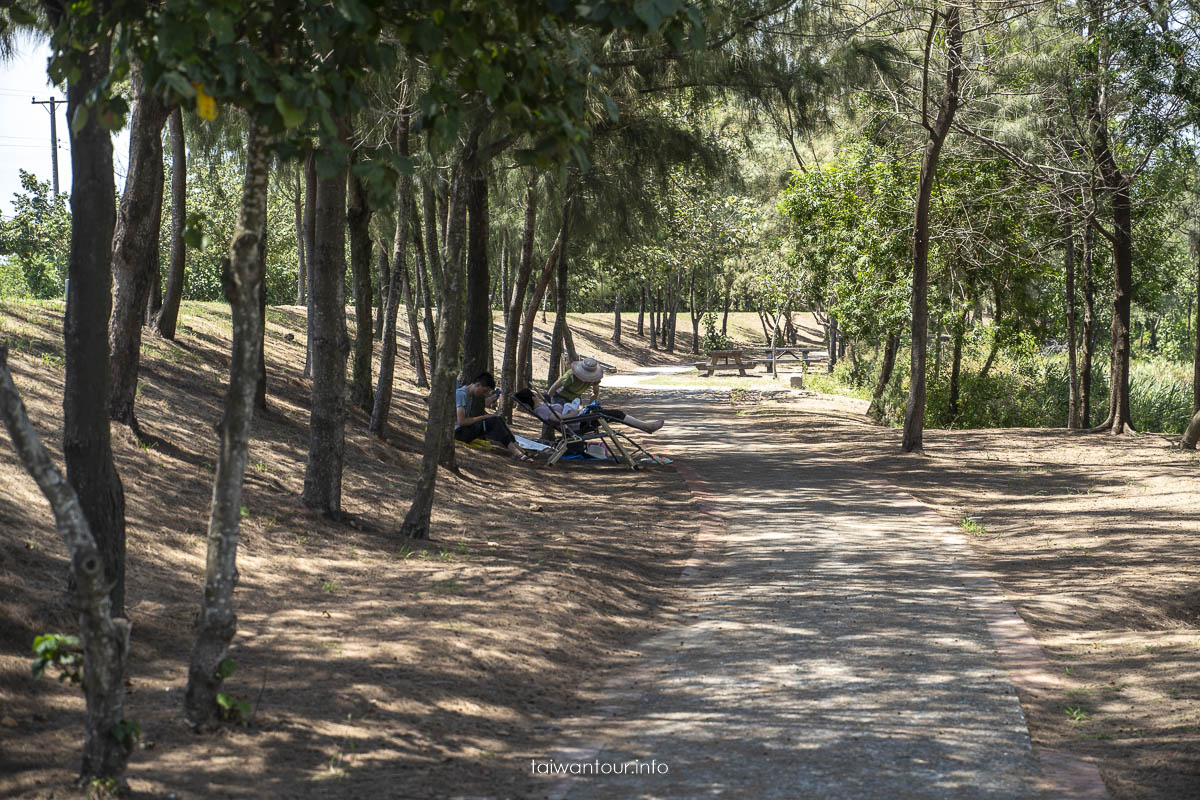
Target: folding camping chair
{"points": [[574, 433]]}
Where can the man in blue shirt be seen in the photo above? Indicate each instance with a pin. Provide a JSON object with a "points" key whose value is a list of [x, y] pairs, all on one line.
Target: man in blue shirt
{"points": [[488, 424]]}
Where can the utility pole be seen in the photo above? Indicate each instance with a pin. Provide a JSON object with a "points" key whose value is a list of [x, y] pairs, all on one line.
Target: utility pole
{"points": [[51, 103]]}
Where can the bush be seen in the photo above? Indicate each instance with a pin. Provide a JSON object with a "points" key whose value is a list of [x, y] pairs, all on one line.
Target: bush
{"points": [[713, 338], [1025, 389]]}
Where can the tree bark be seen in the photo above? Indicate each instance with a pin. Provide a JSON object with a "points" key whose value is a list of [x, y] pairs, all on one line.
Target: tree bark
{"points": [[326, 290], [441, 398], [525, 340], [242, 279], [674, 318], [478, 322], [1196, 345], [87, 446], [105, 638], [310, 249], [1072, 367], [833, 340], [1089, 330], [956, 367], [616, 334], [135, 247], [168, 315], [641, 323], [560, 300], [424, 281], [1192, 434], [301, 256], [260, 388], [358, 218], [384, 271], [399, 275], [885, 375], [516, 302], [728, 303], [914, 416]]}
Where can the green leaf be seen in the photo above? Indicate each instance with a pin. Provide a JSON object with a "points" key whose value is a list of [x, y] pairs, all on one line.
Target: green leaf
{"points": [[221, 26], [428, 36], [225, 701], [292, 117], [490, 80], [226, 668], [180, 84], [80, 119]]}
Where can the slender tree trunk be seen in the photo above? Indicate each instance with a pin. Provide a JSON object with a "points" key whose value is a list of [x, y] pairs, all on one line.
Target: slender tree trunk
{"points": [[1072, 367], [727, 304], [416, 351], [1119, 417], [310, 250], [168, 315], [561, 298], [674, 318], [1089, 330], [433, 251], [242, 277], [260, 389], [525, 339], [515, 303], [641, 323], [616, 334], [478, 323], [441, 398], [301, 256], [87, 445], [885, 375], [425, 282], [105, 638], [383, 270], [326, 442], [396, 291], [1196, 344], [914, 416], [653, 322], [1192, 434], [956, 367], [358, 218], [694, 313], [135, 248], [833, 341]]}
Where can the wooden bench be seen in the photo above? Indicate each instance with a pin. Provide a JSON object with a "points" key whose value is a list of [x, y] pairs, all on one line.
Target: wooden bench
{"points": [[725, 361]]}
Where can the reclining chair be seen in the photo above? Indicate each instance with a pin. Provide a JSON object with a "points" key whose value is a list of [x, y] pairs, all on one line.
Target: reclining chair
{"points": [[572, 434]]}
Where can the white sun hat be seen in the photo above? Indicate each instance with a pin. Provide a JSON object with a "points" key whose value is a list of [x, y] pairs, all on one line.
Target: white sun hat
{"points": [[588, 370]]}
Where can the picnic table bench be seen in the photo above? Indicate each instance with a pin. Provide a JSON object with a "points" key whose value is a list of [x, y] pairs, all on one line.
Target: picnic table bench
{"points": [[803, 355], [726, 360]]}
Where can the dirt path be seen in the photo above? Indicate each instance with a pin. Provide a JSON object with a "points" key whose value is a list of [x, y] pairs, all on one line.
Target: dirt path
{"points": [[837, 645]]}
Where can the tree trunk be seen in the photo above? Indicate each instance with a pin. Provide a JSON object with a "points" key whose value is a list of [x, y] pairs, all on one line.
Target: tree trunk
{"points": [[956, 367], [105, 638], [1089, 330], [641, 324], [914, 416], [727, 304], [397, 291], [694, 313], [525, 339], [135, 247], [1119, 417], [87, 446], [383, 271], [441, 398], [358, 218], [243, 277], [1072, 367], [1196, 346], [425, 281], [310, 249], [833, 341], [301, 256], [433, 251], [653, 322], [674, 318], [1192, 434], [326, 290], [260, 389], [885, 375], [515, 303], [616, 334], [478, 323], [168, 315]]}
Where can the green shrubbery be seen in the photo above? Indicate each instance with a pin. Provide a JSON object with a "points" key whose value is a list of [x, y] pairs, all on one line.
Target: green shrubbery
{"points": [[1024, 389]]}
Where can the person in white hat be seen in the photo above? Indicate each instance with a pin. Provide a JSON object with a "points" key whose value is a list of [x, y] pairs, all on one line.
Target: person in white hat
{"points": [[583, 376]]}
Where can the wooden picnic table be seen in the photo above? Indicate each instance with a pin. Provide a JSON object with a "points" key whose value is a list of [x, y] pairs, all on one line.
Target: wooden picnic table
{"points": [[803, 355], [725, 360]]}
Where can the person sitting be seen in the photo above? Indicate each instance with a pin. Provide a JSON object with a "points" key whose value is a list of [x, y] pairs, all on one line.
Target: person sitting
{"points": [[583, 376], [491, 425], [550, 412]]}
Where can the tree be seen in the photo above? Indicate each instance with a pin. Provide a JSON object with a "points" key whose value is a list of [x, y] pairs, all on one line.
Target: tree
{"points": [[36, 241]]}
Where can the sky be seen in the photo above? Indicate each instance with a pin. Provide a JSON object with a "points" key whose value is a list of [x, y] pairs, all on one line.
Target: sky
{"points": [[25, 128]]}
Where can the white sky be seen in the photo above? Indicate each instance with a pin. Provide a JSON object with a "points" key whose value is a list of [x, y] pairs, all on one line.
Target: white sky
{"points": [[25, 128]]}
